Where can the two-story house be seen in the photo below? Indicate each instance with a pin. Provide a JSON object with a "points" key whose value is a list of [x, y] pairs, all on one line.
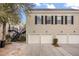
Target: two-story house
{"points": [[43, 25]]}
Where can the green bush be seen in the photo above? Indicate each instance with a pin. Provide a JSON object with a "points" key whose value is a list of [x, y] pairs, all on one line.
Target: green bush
{"points": [[8, 39], [7, 36], [22, 39], [55, 42]]}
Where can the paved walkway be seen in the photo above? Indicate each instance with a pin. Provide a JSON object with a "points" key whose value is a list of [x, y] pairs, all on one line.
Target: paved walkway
{"points": [[14, 49], [21, 49]]}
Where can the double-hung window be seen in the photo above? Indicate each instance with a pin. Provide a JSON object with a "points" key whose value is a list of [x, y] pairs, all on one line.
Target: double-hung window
{"points": [[72, 20], [58, 19], [55, 19], [48, 19], [38, 20], [65, 19]]}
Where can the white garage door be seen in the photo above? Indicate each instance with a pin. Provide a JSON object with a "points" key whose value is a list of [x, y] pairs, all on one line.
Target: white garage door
{"points": [[40, 39], [74, 39], [33, 39], [46, 39], [62, 39]]}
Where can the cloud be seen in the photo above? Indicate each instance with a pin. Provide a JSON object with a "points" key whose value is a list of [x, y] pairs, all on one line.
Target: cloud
{"points": [[50, 6], [72, 5], [38, 4], [45, 5]]}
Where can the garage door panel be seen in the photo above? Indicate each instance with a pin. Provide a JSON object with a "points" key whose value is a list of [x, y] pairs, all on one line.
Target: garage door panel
{"points": [[46, 39], [40, 39], [62, 38], [74, 39], [34, 39]]}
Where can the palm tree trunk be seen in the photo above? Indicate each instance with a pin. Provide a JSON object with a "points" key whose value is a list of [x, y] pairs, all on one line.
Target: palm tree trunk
{"points": [[4, 30], [2, 42]]}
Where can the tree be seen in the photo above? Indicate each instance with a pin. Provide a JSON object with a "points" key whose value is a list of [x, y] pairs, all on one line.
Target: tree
{"points": [[8, 13], [27, 9]]}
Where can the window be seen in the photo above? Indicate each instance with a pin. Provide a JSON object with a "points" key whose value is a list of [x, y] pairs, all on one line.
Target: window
{"points": [[51, 19], [72, 22], [38, 20], [35, 19], [48, 19], [58, 19], [61, 19], [70, 19], [65, 19], [55, 19], [45, 19], [41, 19]]}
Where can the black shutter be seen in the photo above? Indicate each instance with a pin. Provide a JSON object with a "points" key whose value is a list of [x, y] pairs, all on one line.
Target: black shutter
{"points": [[61, 19], [71, 19], [41, 19], [65, 19], [45, 19], [35, 19], [51, 19], [55, 19]]}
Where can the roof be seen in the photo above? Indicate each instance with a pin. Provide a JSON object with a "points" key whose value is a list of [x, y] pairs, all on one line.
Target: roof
{"points": [[55, 9]]}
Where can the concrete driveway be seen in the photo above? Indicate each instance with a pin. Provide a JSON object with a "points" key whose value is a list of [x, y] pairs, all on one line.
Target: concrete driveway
{"points": [[46, 50], [22, 49]]}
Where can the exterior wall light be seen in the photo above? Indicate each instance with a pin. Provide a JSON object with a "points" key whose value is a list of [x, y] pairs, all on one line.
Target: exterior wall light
{"points": [[34, 31], [61, 31]]}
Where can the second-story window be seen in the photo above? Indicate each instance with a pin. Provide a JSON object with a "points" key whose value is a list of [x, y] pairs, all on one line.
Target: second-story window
{"points": [[48, 19], [58, 19], [61, 19], [37, 19], [41, 19], [45, 19], [55, 19], [72, 20], [52, 20], [69, 19], [65, 19]]}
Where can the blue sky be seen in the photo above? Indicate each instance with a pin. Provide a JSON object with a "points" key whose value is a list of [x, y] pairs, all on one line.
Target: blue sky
{"points": [[49, 6]]}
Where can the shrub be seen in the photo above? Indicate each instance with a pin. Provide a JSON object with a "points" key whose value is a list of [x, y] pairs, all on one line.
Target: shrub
{"points": [[7, 36], [55, 42], [22, 39], [8, 39]]}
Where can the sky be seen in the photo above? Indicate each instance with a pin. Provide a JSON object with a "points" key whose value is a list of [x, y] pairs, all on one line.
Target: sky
{"points": [[49, 6]]}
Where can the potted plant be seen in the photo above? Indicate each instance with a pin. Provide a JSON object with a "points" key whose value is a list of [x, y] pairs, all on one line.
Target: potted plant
{"points": [[55, 42]]}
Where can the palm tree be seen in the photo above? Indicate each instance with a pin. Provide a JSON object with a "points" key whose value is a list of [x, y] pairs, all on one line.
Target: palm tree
{"points": [[8, 13]]}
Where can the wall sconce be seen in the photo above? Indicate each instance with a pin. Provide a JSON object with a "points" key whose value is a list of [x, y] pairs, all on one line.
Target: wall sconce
{"points": [[34, 31], [74, 31], [46, 31], [61, 31]]}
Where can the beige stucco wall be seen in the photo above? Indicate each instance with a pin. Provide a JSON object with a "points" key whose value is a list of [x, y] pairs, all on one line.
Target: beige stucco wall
{"points": [[31, 28]]}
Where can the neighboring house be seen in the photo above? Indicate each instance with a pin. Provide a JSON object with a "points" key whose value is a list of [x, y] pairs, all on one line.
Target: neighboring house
{"points": [[45, 24]]}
